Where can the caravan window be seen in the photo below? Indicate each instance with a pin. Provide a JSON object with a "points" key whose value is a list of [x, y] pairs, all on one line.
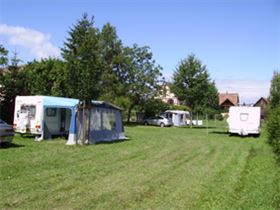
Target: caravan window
{"points": [[181, 117], [244, 116], [168, 115], [30, 109], [51, 112]]}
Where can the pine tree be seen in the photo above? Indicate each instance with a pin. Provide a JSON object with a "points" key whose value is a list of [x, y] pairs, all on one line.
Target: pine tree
{"points": [[274, 97], [81, 53]]}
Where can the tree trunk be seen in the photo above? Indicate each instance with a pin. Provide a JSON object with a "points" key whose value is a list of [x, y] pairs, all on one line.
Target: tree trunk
{"points": [[129, 114]]}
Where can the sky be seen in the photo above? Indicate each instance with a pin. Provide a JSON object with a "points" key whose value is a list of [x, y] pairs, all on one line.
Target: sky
{"points": [[237, 40]]}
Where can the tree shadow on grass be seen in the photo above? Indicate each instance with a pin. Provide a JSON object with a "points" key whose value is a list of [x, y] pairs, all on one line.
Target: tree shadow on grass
{"points": [[132, 124], [113, 142], [220, 132], [10, 145]]}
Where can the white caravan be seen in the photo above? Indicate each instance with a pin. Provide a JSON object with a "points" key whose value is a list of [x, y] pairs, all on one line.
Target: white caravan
{"points": [[244, 120], [178, 117], [43, 116]]}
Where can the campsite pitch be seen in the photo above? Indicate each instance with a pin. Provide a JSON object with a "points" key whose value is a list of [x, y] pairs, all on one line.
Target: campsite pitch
{"points": [[158, 168]]}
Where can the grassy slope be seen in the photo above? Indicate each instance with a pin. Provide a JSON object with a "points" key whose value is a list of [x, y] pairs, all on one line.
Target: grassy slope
{"points": [[158, 168]]}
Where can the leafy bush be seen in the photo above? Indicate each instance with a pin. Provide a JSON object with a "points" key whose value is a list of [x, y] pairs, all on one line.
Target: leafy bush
{"points": [[179, 107], [152, 107], [219, 117], [273, 129]]}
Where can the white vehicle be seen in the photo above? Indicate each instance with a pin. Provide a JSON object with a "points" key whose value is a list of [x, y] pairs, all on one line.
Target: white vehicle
{"points": [[244, 120], [177, 117], [158, 120], [43, 116], [6, 132]]}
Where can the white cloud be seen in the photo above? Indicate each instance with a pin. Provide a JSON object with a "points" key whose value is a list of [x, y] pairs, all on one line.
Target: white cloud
{"points": [[37, 42], [249, 90]]}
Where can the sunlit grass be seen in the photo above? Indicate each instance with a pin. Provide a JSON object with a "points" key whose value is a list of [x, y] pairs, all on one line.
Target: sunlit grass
{"points": [[158, 168]]}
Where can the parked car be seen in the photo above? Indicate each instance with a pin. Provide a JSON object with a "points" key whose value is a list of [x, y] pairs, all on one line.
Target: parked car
{"points": [[158, 120], [6, 132]]}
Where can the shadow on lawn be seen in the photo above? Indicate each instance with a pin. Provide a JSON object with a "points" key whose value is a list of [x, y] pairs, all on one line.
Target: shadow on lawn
{"points": [[220, 132], [113, 142], [132, 124], [10, 145]]}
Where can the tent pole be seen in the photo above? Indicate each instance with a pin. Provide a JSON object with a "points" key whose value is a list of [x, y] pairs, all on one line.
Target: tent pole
{"points": [[84, 127]]}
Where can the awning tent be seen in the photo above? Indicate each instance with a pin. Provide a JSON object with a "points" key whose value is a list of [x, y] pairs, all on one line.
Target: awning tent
{"points": [[98, 122], [67, 103]]}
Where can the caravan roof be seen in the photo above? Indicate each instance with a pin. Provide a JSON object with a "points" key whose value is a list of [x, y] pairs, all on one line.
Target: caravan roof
{"points": [[50, 100], [177, 111]]}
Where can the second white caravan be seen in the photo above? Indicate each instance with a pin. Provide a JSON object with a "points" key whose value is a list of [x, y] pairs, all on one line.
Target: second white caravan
{"points": [[244, 120]]}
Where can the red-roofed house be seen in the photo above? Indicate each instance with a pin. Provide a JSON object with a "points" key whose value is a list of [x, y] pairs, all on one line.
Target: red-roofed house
{"points": [[227, 100]]}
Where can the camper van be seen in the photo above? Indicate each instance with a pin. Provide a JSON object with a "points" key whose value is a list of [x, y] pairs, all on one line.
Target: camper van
{"points": [[244, 120], [43, 115]]}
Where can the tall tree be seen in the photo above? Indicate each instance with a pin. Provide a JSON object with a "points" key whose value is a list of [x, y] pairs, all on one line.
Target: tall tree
{"points": [[81, 53], [192, 84], [111, 52], [140, 76]]}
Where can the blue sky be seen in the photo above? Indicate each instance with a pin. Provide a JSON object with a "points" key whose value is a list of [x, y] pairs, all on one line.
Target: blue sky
{"points": [[238, 40]]}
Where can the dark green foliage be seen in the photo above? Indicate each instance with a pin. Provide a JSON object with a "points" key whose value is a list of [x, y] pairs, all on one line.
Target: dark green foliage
{"points": [[140, 76], [3, 56], [179, 107], [273, 128], [219, 117], [111, 51], [153, 107], [83, 65], [193, 86], [274, 97], [46, 77], [12, 84], [273, 119]]}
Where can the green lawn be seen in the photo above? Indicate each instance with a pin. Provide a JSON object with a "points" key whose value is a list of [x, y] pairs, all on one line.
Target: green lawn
{"points": [[158, 168]]}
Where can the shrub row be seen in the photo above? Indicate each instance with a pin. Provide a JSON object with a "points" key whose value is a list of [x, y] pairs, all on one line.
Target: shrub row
{"points": [[273, 129]]}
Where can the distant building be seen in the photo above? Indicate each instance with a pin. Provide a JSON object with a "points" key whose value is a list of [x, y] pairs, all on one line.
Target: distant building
{"points": [[167, 96], [227, 100], [262, 102]]}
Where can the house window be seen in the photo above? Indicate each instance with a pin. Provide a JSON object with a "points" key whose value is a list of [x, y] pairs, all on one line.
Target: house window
{"points": [[51, 112], [244, 116]]}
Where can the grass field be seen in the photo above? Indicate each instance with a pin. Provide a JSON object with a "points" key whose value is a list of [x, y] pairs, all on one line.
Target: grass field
{"points": [[158, 168]]}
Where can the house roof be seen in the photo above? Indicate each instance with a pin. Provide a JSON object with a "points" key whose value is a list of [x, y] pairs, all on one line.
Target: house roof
{"points": [[261, 99], [232, 97]]}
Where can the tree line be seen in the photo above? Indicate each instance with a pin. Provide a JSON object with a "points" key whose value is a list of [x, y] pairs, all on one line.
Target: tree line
{"points": [[96, 65], [273, 119]]}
